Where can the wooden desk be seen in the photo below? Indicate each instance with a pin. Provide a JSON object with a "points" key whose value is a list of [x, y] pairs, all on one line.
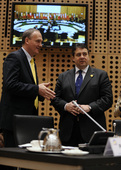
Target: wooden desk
{"points": [[18, 157]]}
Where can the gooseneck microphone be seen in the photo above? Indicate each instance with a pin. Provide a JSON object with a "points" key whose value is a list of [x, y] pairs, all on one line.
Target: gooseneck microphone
{"points": [[75, 103]]}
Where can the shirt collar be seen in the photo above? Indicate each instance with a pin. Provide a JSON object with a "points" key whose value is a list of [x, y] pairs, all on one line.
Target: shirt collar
{"points": [[27, 54], [84, 70]]}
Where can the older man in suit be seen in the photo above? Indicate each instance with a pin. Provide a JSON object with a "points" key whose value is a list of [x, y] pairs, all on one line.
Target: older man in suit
{"points": [[20, 84], [93, 93]]}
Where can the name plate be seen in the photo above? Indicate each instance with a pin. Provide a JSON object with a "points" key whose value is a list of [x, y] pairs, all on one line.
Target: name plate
{"points": [[113, 146]]}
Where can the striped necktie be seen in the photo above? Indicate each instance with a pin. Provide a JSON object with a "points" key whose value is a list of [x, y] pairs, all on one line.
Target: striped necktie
{"points": [[34, 76], [78, 83]]}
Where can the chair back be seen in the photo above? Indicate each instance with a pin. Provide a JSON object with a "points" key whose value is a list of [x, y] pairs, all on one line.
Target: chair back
{"points": [[27, 127]]}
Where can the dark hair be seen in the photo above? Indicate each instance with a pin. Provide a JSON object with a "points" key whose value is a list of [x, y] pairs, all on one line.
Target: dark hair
{"points": [[28, 34], [78, 45]]}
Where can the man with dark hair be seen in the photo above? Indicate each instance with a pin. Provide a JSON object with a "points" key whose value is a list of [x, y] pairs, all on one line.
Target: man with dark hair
{"points": [[91, 89], [21, 91]]}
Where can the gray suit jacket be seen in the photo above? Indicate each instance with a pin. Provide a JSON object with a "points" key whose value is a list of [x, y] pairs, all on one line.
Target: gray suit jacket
{"points": [[19, 89], [95, 91]]}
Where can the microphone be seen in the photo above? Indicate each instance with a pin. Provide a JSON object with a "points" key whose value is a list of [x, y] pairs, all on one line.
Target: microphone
{"points": [[114, 126], [75, 103]]}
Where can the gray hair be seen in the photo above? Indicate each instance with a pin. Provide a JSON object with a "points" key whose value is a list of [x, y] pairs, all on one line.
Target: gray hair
{"points": [[28, 34]]}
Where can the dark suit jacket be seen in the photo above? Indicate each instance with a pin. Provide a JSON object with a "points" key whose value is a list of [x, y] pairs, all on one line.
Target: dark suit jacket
{"points": [[95, 91], [19, 89]]}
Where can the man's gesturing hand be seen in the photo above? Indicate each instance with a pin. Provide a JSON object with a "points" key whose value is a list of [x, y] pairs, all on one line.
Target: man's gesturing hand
{"points": [[45, 91]]}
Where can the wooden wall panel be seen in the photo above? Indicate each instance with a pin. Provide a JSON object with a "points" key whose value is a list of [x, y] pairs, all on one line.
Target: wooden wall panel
{"points": [[104, 42], [114, 71], [2, 57], [115, 27], [100, 26], [1, 61]]}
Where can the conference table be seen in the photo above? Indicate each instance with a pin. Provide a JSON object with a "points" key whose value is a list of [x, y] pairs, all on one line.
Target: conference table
{"points": [[21, 157]]}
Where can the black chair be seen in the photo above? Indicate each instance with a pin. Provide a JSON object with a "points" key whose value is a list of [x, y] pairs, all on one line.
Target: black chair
{"points": [[27, 127], [117, 127], [63, 36], [75, 36]]}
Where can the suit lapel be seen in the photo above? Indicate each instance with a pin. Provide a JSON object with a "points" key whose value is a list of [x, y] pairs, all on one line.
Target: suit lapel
{"points": [[36, 71], [26, 64], [72, 80], [89, 75]]}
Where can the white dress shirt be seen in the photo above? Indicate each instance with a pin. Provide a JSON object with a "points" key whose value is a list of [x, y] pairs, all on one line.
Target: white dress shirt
{"points": [[84, 71]]}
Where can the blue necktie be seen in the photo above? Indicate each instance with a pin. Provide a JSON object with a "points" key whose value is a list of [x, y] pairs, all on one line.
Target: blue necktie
{"points": [[78, 82]]}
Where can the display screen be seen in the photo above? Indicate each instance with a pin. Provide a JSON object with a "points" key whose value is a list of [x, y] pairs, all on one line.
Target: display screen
{"points": [[61, 25]]}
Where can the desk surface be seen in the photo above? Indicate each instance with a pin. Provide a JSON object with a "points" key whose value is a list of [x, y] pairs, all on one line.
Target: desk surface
{"points": [[97, 161]]}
